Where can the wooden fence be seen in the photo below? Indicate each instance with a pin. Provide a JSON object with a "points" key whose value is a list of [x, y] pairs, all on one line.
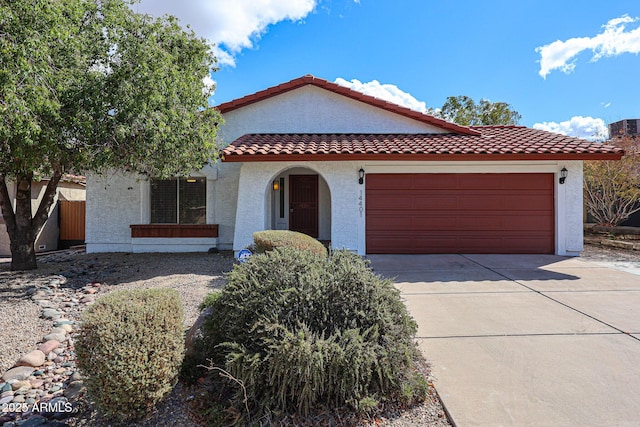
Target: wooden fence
{"points": [[72, 220]]}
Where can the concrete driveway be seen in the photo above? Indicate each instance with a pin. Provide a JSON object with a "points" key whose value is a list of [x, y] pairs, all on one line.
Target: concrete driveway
{"points": [[526, 340]]}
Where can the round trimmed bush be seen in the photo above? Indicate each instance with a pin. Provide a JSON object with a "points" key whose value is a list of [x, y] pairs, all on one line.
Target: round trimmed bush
{"points": [[130, 348], [269, 240], [304, 333]]}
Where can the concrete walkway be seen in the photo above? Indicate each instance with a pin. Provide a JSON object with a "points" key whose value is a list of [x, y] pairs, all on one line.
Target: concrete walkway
{"points": [[526, 340]]}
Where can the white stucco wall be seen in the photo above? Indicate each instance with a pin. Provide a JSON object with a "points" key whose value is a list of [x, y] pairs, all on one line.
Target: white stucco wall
{"points": [[276, 222], [341, 178], [310, 109], [569, 197], [347, 196], [116, 200], [239, 197], [113, 203]]}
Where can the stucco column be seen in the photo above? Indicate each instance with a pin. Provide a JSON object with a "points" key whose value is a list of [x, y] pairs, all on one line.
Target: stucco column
{"points": [[250, 212], [574, 209]]}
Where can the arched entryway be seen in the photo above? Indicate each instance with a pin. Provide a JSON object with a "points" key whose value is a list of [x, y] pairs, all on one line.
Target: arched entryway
{"points": [[300, 200]]}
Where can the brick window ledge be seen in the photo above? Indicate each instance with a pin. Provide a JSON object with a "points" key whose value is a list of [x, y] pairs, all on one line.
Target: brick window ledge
{"points": [[174, 230]]}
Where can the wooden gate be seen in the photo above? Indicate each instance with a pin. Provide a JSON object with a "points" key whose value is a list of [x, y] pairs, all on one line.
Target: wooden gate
{"points": [[72, 220]]}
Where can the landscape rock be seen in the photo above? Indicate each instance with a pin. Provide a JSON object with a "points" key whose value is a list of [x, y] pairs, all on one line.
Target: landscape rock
{"points": [[45, 303], [19, 373], [50, 313], [68, 328], [34, 358], [59, 330], [48, 346], [56, 337], [35, 421], [36, 383], [20, 384], [74, 390]]}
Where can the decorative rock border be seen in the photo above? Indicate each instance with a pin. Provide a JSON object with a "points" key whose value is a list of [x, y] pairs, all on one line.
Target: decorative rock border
{"points": [[44, 382]]}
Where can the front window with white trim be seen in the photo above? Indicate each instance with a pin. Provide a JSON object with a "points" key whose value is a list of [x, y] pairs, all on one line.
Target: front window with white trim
{"points": [[179, 201]]}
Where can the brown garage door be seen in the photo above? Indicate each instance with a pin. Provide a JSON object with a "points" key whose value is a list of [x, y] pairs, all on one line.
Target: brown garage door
{"points": [[459, 213]]}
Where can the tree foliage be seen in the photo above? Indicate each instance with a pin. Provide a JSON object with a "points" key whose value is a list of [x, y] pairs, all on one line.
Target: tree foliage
{"points": [[612, 187], [90, 85], [466, 112]]}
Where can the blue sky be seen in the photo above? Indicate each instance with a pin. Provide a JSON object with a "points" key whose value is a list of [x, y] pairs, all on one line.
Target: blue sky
{"points": [[566, 66]]}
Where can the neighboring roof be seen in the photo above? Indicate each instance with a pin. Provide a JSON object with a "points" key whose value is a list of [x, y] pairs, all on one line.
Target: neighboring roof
{"points": [[489, 143], [349, 93], [77, 179], [67, 177]]}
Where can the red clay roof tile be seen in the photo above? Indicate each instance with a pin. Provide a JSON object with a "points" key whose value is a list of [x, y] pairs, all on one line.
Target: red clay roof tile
{"points": [[490, 143]]}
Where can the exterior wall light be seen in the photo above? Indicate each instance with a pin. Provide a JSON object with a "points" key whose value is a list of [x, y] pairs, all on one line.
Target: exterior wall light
{"points": [[361, 176], [563, 175], [276, 185]]}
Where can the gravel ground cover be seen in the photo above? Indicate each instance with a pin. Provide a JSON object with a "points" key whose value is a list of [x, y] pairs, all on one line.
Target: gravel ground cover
{"points": [[192, 275]]}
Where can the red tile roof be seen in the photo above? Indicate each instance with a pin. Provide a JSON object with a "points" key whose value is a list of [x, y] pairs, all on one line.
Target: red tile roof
{"points": [[349, 93], [490, 143]]}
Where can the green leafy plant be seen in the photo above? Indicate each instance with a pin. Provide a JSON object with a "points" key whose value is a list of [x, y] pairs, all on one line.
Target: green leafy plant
{"points": [[130, 348], [93, 86], [302, 333], [268, 240]]}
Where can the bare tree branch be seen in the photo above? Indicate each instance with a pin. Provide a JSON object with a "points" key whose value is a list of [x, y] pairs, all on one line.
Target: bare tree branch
{"points": [[612, 188]]}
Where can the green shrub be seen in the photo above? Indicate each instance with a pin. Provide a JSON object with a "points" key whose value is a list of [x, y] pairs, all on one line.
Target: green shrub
{"points": [[130, 348], [268, 240], [209, 300], [304, 333]]}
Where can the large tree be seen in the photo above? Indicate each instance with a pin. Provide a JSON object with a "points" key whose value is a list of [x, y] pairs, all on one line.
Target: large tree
{"points": [[90, 85], [612, 187], [465, 111]]}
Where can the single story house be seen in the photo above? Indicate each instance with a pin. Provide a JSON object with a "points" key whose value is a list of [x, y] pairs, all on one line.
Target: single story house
{"points": [[359, 172], [66, 223]]}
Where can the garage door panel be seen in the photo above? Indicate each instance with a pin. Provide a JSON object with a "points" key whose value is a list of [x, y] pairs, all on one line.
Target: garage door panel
{"points": [[505, 202], [380, 182], [384, 201], [438, 202], [460, 213]]}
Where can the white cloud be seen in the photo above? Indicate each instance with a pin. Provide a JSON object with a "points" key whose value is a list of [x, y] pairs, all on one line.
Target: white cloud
{"points": [[612, 41], [231, 25], [208, 85], [387, 92], [605, 104], [578, 126]]}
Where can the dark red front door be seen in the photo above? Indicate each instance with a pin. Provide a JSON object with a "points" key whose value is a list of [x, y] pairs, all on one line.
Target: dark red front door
{"points": [[303, 204]]}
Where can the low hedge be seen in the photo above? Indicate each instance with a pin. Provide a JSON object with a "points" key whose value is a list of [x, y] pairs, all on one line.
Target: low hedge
{"points": [[269, 240], [304, 333], [130, 348]]}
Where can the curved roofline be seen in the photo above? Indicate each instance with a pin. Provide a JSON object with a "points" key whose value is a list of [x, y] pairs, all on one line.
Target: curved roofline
{"points": [[349, 93]]}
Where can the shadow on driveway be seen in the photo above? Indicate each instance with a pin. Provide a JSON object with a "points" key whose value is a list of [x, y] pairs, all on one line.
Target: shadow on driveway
{"points": [[526, 340]]}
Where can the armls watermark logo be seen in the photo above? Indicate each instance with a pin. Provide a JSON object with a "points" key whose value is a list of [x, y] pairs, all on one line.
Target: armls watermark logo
{"points": [[58, 406], [38, 407]]}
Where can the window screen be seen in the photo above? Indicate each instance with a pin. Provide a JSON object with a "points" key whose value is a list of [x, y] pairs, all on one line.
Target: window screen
{"points": [[193, 201], [179, 201], [164, 201]]}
